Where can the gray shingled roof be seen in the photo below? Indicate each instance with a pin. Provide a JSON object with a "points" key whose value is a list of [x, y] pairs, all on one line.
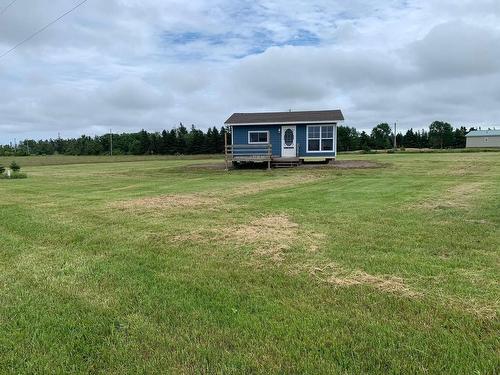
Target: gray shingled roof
{"points": [[483, 133], [285, 117]]}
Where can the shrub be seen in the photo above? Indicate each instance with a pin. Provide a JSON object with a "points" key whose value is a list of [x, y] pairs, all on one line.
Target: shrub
{"points": [[391, 151], [18, 175], [13, 176], [2, 169], [15, 167]]}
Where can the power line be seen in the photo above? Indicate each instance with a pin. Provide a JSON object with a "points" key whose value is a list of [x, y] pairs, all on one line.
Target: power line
{"points": [[42, 29], [7, 7]]}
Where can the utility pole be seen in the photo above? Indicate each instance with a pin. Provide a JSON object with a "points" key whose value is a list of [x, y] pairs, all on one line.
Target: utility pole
{"points": [[395, 145], [110, 142]]}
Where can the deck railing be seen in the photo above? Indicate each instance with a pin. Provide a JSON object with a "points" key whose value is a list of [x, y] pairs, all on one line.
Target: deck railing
{"points": [[249, 153]]}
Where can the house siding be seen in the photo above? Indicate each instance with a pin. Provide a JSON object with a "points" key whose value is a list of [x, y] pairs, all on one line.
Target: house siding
{"points": [[485, 142], [240, 137]]}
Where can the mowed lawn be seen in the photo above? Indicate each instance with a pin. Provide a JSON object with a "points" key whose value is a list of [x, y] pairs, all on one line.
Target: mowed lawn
{"points": [[168, 266]]}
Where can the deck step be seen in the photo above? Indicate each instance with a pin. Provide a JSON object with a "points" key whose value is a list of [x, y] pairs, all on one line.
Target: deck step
{"points": [[283, 164]]}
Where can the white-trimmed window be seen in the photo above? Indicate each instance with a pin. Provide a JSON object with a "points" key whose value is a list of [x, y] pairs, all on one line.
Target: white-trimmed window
{"points": [[258, 137], [320, 138]]}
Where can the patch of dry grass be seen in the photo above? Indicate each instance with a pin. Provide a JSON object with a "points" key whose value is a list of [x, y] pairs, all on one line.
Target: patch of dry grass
{"points": [[459, 196], [164, 202], [466, 189], [334, 274], [211, 201], [270, 235]]}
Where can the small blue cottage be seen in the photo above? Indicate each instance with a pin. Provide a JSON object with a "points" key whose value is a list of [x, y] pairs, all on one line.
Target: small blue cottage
{"points": [[283, 138]]}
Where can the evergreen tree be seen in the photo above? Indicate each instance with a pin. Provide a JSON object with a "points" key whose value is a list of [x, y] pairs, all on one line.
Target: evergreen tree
{"points": [[410, 139], [144, 143], [182, 139], [164, 143], [364, 141], [212, 140], [399, 140], [459, 139], [155, 143], [424, 139], [196, 141], [59, 145], [172, 142]]}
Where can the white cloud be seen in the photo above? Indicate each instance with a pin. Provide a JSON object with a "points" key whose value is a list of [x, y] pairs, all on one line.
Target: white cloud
{"points": [[131, 64], [456, 49]]}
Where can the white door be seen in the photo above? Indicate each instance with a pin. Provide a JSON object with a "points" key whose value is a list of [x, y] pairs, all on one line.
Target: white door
{"points": [[288, 141]]}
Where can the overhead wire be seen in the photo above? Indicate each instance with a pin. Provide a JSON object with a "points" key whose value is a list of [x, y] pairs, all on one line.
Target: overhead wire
{"points": [[41, 30], [4, 9]]}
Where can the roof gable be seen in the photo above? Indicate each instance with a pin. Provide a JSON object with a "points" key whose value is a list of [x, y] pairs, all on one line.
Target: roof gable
{"points": [[285, 117]]}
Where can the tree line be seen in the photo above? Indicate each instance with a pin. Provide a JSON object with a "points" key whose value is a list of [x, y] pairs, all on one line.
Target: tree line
{"points": [[440, 135], [177, 141], [181, 141]]}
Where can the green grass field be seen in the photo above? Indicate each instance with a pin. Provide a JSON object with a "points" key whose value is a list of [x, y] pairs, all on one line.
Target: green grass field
{"points": [[162, 266]]}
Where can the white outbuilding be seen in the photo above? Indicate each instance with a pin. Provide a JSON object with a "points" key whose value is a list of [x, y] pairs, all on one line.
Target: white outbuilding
{"points": [[483, 139]]}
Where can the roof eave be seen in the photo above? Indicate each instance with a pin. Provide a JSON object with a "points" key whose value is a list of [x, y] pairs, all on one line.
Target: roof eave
{"points": [[483, 135], [283, 123]]}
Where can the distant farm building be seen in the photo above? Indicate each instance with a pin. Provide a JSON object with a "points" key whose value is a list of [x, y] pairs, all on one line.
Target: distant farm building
{"points": [[283, 138], [483, 139]]}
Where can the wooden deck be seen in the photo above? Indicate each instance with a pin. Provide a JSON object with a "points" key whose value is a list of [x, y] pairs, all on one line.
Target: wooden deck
{"points": [[262, 153], [257, 153]]}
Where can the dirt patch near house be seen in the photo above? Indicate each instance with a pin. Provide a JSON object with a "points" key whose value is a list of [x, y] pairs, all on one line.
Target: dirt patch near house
{"points": [[347, 164], [168, 202], [459, 196], [336, 275], [338, 164]]}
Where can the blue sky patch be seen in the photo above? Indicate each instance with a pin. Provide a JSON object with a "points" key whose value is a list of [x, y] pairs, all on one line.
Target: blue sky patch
{"points": [[192, 37], [303, 38], [256, 43]]}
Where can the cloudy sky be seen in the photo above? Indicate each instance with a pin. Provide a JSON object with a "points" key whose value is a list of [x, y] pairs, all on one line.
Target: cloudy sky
{"points": [[132, 64]]}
